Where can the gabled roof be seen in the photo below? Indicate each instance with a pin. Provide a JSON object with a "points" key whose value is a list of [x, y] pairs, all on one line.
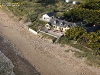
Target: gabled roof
{"points": [[92, 29], [61, 23], [50, 14]]}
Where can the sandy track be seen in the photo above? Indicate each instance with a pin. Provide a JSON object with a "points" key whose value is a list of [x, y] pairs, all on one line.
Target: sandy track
{"points": [[49, 59]]}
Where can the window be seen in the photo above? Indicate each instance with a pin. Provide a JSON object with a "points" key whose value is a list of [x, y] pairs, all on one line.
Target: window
{"points": [[55, 26]]}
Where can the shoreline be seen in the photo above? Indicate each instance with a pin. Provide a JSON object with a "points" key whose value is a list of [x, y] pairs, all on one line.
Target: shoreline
{"points": [[49, 59]]}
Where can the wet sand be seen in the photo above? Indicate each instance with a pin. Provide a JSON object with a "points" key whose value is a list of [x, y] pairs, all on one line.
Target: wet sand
{"points": [[48, 58]]}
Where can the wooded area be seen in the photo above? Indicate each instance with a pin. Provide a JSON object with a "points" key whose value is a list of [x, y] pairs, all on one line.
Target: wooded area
{"points": [[88, 12]]}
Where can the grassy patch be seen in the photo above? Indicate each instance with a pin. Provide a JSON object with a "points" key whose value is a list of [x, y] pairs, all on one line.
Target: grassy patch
{"points": [[36, 24], [48, 36], [79, 54], [63, 40], [80, 47], [92, 60]]}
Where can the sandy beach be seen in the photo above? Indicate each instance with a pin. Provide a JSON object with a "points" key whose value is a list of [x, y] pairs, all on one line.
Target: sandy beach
{"points": [[48, 58]]}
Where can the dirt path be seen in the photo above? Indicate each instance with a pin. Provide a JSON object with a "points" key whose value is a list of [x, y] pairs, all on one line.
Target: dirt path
{"points": [[49, 59]]}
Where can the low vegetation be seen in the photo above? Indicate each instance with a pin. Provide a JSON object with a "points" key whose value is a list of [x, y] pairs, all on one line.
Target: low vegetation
{"points": [[88, 12], [52, 38], [37, 24]]}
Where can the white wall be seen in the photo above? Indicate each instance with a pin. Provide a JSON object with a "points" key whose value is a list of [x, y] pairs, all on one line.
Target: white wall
{"points": [[46, 18], [33, 31]]}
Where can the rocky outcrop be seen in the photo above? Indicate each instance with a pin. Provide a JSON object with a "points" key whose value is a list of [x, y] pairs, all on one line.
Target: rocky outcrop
{"points": [[6, 66]]}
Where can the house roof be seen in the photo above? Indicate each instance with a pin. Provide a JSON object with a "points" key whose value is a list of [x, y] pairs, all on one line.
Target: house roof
{"points": [[92, 29], [61, 23], [50, 14]]}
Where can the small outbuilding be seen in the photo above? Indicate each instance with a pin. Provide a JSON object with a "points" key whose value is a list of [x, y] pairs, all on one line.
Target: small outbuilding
{"points": [[68, 1]]}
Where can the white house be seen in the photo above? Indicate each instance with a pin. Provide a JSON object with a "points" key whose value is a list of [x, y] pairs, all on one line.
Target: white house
{"points": [[59, 25], [68, 1], [47, 17]]}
